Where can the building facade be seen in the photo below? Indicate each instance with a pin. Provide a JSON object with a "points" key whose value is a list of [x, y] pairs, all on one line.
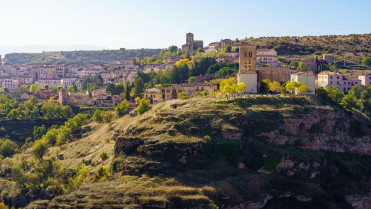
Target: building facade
{"points": [[340, 81], [305, 77]]}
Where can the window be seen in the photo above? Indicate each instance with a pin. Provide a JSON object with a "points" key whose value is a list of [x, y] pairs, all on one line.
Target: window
{"points": [[331, 77], [330, 82], [338, 77], [337, 82]]}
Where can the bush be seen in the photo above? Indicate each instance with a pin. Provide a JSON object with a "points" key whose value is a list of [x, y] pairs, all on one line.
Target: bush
{"points": [[143, 106], [122, 108], [103, 173], [39, 148], [104, 156], [221, 148], [182, 95], [271, 163], [254, 162], [7, 148]]}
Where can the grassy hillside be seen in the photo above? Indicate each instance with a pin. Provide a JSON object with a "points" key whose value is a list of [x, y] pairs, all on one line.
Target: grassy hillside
{"points": [[108, 56], [210, 153], [351, 47]]}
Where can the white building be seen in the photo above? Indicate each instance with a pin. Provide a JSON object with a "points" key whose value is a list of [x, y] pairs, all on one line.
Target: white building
{"points": [[365, 78], [67, 82], [305, 77], [9, 84], [49, 81]]}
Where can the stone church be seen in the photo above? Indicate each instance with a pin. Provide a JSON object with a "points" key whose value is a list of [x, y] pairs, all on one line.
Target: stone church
{"points": [[191, 44], [253, 76]]}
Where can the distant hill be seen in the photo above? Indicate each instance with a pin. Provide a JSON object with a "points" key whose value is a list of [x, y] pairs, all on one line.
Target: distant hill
{"points": [[81, 56], [351, 47], [41, 48]]}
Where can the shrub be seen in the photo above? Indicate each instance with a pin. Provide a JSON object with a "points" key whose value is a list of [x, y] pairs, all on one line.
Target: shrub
{"points": [[182, 95], [221, 148], [3, 206], [7, 148], [104, 156], [271, 163], [107, 117], [254, 162], [39, 148], [122, 108], [143, 106], [103, 173]]}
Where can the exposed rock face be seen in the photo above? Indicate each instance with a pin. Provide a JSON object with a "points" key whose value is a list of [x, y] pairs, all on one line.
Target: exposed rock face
{"points": [[319, 130], [359, 201]]}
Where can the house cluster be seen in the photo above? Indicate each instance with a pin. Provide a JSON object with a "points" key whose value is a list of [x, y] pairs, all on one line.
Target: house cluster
{"points": [[13, 76], [98, 97], [252, 75], [341, 81], [155, 95]]}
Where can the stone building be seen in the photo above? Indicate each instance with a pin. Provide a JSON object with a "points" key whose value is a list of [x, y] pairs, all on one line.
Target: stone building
{"points": [[171, 92], [73, 98], [279, 74], [330, 58], [253, 76], [154, 95], [312, 64], [191, 44], [247, 72]]}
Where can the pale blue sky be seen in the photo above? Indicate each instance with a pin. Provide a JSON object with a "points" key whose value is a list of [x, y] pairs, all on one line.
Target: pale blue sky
{"points": [[160, 23]]}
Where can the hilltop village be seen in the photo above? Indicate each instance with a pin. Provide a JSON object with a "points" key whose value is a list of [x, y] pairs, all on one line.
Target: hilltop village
{"points": [[227, 125], [106, 84]]}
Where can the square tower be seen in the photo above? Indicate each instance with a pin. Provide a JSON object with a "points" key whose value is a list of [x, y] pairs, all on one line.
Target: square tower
{"points": [[247, 72], [247, 58]]}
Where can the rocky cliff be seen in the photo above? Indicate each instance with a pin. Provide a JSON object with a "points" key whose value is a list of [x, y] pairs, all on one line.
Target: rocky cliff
{"points": [[258, 152]]}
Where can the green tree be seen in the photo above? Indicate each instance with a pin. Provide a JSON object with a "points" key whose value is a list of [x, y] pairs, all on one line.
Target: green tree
{"points": [[335, 94], [122, 108], [108, 116], [303, 88], [275, 87], [241, 87], [294, 64], [143, 106], [173, 49], [366, 61], [7, 148], [139, 86], [34, 88], [39, 148], [228, 86], [192, 79], [228, 48], [38, 132], [13, 114], [290, 86], [302, 67], [98, 116]]}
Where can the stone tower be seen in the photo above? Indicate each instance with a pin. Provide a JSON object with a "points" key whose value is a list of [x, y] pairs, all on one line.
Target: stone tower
{"points": [[62, 96], [247, 58], [0, 60], [189, 41], [247, 72]]}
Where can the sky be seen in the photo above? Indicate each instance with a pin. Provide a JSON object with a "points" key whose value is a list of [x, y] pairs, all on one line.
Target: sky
{"points": [[160, 23]]}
